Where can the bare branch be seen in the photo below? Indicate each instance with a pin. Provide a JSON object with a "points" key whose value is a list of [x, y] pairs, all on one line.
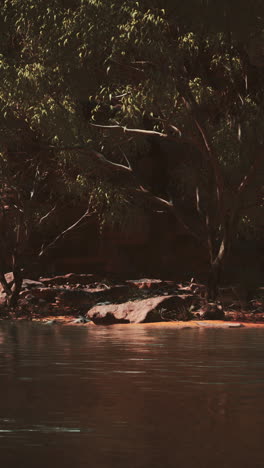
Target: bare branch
{"points": [[138, 131], [126, 158], [47, 214], [202, 132], [198, 207], [66, 231], [214, 161], [246, 181], [170, 208], [259, 159], [177, 130]]}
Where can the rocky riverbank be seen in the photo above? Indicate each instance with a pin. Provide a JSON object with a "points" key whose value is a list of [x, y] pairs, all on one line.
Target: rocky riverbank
{"points": [[84, 298]]}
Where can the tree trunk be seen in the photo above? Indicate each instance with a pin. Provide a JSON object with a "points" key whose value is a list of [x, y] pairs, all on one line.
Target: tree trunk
{"points": [[6, 287], [217, 263], [214, 280], [18, 280]]}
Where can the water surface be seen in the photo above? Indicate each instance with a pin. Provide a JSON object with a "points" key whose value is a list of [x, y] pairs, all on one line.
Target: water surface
{"points": [[130, 397]]}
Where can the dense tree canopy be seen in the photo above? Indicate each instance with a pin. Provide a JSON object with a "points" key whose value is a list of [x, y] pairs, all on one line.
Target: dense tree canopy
{"points": [[117, 76]]}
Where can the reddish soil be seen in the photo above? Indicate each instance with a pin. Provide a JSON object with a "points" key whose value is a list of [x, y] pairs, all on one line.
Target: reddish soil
{"points": [[69, 320]]}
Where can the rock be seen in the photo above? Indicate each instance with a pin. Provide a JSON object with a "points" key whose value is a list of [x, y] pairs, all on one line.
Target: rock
{"points": [[81, 320], [50, 322], [70, 278], [149, 283], [245, 316], [69, 298], [234, 296], [9, 277], [235, 325], [81, 297], [154, 309], [26, 284], [198, 289], [213, 311], [30, 299], [145, 283], [115, 293], [219, 325], [42, 293], [74, 298]]}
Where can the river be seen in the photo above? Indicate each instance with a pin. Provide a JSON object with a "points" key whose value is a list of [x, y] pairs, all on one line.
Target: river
{"points": [[130, 397]]}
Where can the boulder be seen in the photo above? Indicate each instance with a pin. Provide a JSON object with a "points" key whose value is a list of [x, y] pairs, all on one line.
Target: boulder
{"points": [[74, 298], [27, 283], [117, 293], [79, 297], [154, 309], [47, 294], [213, 311]]}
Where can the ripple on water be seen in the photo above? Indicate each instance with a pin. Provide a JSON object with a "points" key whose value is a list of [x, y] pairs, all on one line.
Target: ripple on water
{"points": [[135, 397]]}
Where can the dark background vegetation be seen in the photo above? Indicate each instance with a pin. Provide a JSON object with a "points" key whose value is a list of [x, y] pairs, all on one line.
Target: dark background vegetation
{"points": [[171, 92]]}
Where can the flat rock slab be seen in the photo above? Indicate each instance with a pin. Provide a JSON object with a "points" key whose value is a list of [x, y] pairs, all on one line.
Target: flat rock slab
{"points": [[219, 324], [91, 296], [192, 325], [28, 284], [72, 298], [70, 278], [148, 283], [146, 310]]}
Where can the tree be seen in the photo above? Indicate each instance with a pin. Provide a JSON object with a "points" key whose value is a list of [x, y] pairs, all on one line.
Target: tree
{"points": [[199, 87], [116, 75]]}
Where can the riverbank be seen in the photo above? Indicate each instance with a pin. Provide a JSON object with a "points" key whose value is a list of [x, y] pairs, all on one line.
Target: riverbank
{"points": [[181, 325], [86, 298]]}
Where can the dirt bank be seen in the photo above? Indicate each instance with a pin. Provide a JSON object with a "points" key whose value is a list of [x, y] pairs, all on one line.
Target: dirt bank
{"points": [[202, 324], [82, 298]]}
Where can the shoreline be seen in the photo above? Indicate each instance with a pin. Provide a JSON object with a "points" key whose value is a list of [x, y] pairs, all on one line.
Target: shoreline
{"points": [[79, 298], [191, 324]]}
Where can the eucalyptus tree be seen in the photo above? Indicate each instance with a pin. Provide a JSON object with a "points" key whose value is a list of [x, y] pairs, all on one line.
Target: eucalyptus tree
{"points": [[202, 85], [85, 74]]}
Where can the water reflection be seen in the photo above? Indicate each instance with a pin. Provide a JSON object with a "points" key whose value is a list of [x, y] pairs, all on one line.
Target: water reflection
{"points": [[130, 396]]}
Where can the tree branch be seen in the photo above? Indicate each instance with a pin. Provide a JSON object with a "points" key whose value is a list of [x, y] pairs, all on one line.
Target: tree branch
{"points": [[137, 131], [47, 215], [70, 228], [259, 159]]}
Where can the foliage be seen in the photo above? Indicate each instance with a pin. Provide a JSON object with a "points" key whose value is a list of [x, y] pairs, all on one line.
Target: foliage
{"points": [[195, 79]]}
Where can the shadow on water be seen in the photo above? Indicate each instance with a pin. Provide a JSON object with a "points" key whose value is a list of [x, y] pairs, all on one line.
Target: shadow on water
{"points": [[130, 396]]}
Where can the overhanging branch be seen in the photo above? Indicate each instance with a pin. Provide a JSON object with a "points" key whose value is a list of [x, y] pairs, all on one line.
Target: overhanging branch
{"points": [[66, 231], [137, 131]]}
